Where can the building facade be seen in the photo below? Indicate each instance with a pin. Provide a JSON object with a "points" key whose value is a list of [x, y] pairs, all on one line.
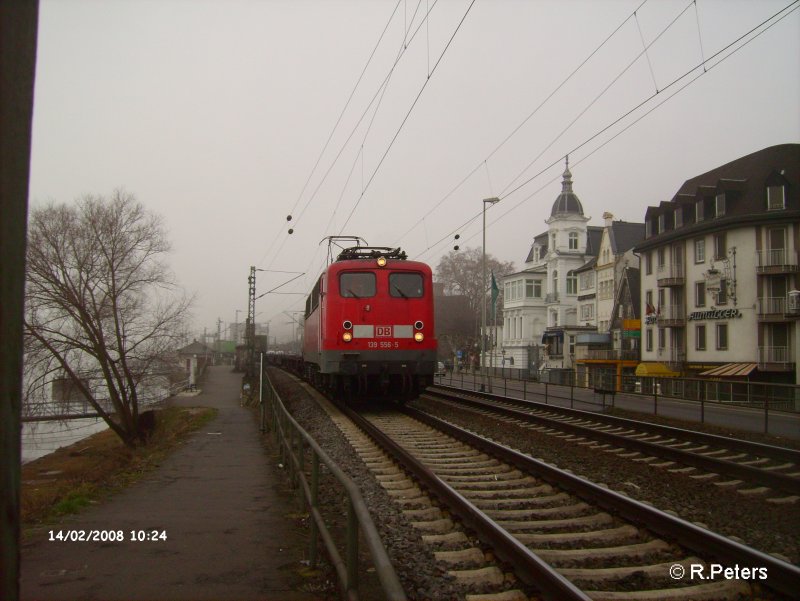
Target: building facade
{"points": [[719, 282], [540, 303]]}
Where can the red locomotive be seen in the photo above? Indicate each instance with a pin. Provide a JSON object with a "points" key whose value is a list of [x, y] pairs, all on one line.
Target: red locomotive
{"points": [[369, 326]]}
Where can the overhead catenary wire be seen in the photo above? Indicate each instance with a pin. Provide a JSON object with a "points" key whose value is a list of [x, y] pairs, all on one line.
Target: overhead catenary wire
{"points": [[339, 119], [408, 114], [526, 119], [705, 64], [344, 145]]}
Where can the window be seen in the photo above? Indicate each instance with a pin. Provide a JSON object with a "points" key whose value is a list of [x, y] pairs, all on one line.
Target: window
{"points": [[537, 288], [587, 280], [572, 283], [722, 295], [535, 253], [679, 217], [776, 198], [357, 285], [700, 338], [587, 311], [528, 288], [722, 336], [719, 205], [554, 289], [720, 248], [661, 257], [700, 250], [648, 228], [660, 224], [699, 211], [553, 242], [662, 339], [648, 263], [405, 285], [699, 294], [648, 298], [662, 298], [573, 240], [649, 338]]}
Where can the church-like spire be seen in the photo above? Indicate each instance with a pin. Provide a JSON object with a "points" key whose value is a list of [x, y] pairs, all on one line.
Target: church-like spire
{"points": [[566, 183]]}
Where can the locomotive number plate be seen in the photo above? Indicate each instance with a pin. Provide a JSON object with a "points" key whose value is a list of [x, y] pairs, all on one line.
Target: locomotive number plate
{"points": [[383, 331]]}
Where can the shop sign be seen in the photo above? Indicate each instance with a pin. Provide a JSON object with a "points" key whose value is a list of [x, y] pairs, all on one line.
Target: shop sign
{"points": [[715, 314]]}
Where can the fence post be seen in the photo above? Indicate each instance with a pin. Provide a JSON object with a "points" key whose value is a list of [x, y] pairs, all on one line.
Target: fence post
{"points": [[545, 392], [702, 411], [352, 547], [312, 551], [524, 390], [766, 415], [655, 396]]}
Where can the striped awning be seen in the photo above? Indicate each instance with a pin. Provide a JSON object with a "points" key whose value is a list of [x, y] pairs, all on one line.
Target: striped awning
{"points": [[731, 370]]}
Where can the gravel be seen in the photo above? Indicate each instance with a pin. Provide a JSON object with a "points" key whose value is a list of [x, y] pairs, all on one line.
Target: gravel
{"points": [[420, 574], [767, 527]]}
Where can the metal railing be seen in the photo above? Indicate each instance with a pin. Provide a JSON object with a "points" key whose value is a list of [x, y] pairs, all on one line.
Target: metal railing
{"points": [[779, 257], [569, 388], [774, 354], [772, 305], [294, 442]]}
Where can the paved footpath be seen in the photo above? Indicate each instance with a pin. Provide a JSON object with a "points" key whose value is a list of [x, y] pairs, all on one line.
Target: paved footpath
{"points": [[217, 498]]}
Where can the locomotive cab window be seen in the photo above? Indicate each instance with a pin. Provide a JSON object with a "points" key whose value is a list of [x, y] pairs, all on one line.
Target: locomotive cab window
{"points": [[405, 285], [357, 285]]}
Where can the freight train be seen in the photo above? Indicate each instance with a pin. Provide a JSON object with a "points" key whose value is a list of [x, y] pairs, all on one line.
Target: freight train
{"points": [[369, 326]]}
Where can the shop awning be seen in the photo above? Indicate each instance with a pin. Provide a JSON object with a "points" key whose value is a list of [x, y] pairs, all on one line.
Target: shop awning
{"points": [[731, 370], [655, 370]]}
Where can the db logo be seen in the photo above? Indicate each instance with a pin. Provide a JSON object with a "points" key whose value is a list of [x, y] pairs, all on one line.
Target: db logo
{"points": [[383, 331]]}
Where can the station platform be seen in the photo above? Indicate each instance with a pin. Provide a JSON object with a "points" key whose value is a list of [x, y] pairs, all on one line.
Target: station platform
{"points": [[223, 505]]}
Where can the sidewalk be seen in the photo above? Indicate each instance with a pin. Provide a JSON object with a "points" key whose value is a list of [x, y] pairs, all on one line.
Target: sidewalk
{"points": [[217, 499]]}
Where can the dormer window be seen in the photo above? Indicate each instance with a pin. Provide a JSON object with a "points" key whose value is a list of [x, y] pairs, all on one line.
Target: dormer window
{"points": [[648, 228], [679, 217], [661, 223], [535, 253], [776, 198], [698, 211], [719, 205]]}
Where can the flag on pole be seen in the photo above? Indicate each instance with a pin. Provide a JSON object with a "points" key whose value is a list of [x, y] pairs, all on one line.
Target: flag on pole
{"points": [[495, 293]]}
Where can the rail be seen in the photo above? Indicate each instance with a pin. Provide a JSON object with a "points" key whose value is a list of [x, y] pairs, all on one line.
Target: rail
{"points": [[293, 441]]}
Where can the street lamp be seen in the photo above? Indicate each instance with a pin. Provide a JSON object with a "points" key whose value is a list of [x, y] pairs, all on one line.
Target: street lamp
{"points": [[486, 201]]}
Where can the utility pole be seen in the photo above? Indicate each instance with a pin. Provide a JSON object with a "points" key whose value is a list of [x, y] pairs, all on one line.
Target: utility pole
{"points": [[250, 331]]}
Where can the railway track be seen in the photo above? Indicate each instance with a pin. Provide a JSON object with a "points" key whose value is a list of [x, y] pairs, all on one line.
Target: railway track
{"points": [[751, 468], [563, 535]]}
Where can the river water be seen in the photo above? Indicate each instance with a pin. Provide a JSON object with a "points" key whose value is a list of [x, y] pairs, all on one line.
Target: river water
{"points": [[41, 438]]}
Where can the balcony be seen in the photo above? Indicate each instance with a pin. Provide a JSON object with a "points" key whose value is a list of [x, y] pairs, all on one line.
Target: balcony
{"points": [[551, 298], [671, 274], [776, 261], [677, 357], [772, 308], [611, 355], [775, 358], [672, 316]]}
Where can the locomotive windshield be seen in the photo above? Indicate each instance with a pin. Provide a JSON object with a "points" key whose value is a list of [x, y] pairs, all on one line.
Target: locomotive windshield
{"points": [[405, 285], [357, 285]]}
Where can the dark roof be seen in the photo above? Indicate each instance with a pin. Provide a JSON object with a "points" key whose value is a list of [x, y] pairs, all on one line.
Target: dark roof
{"points": [[625, 236], [586, 266], [195, 348], [541, 240], [595, 236], [744, 183], [567, 202]]}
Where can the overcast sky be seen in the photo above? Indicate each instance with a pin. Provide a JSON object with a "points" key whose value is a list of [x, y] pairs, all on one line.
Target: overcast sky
{"points": [[214, 113]]}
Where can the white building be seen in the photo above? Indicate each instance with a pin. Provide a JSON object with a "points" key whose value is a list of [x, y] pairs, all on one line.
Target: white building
{"points": [[721, 272], [540, 303]]}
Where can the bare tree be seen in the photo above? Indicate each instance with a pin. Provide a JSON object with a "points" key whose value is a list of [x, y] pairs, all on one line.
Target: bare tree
{"points": [[102, 310], [461, 272]]}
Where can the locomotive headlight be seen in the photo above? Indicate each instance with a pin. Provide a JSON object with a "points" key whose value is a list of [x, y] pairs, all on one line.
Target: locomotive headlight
{"points": [[381, 261], [419, 336], [347, 336]]}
